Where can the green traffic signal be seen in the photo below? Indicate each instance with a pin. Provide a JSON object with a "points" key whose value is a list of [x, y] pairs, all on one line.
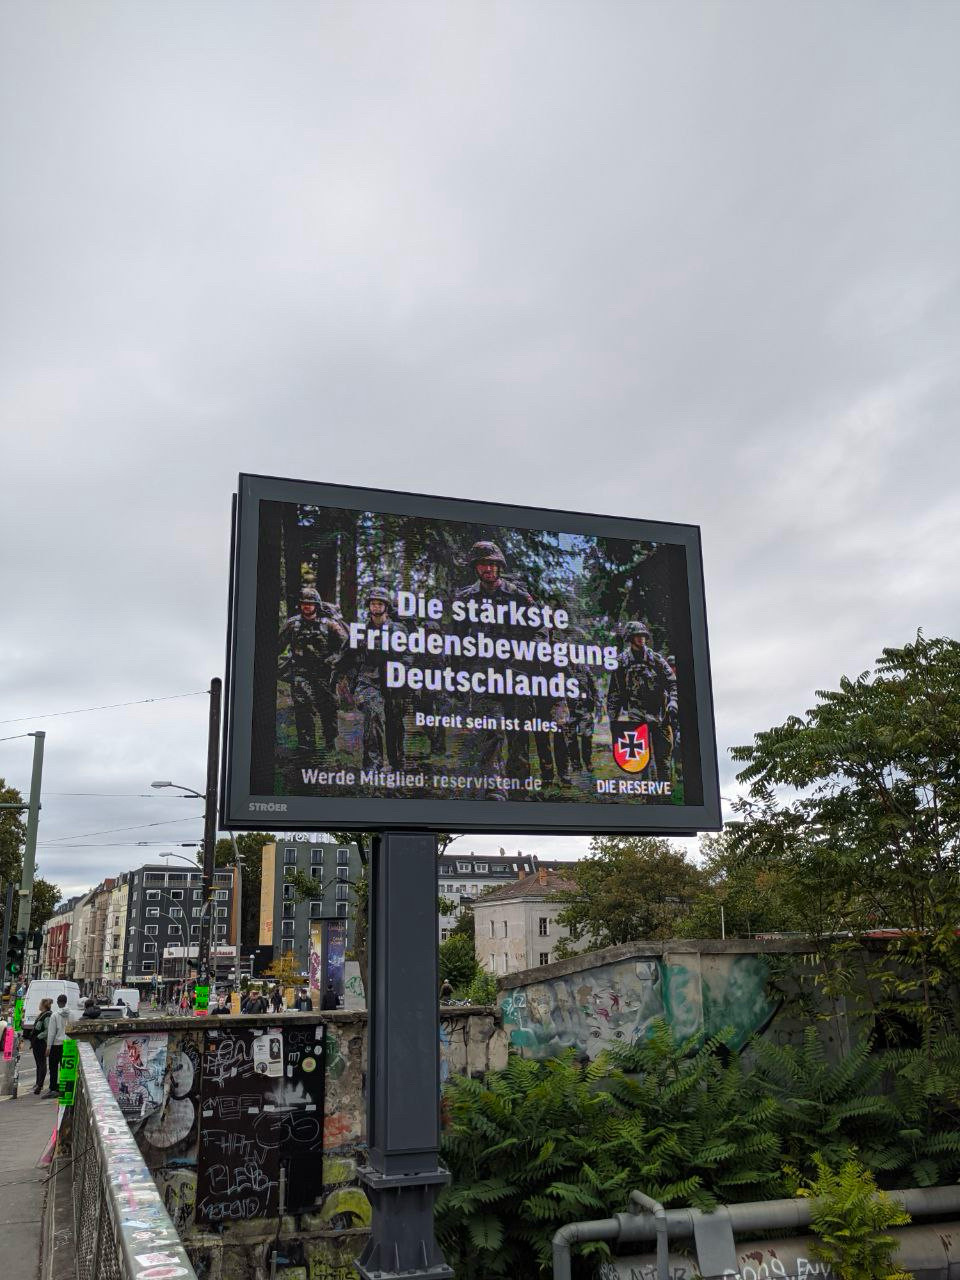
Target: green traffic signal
{"points": [[15, 950]]}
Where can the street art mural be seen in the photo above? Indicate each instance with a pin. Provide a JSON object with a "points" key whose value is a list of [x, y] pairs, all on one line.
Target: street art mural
{"points": [[135, 1067], [616, 1004]]}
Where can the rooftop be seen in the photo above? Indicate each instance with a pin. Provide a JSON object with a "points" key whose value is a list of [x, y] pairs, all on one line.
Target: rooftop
{"points": [[545, 884]]}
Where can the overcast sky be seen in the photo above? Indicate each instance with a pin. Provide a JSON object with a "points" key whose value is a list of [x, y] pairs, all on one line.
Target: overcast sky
{"points": [[686, 261]]}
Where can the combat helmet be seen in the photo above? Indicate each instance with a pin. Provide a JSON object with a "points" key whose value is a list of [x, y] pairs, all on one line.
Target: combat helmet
{"points": [[378, 592], [487, 551], [310, 595], [637, 627]]}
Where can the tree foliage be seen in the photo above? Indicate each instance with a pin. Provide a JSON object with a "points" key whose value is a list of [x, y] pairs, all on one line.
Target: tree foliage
{"points": [[856, 807], [46, 896], [751, 892], [458, 961], [629, 888]]}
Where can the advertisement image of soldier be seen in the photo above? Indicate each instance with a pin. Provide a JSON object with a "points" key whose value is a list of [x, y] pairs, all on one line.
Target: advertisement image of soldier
{"points": [[644, 689], [583, 713], [499, 752], [382, 708], [314, 637]]}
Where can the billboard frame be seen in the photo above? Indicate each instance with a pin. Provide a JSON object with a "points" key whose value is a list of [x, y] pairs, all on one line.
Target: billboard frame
{"points": [[242, 810]]}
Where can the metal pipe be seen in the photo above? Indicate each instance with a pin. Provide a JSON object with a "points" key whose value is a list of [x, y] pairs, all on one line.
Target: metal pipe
{"points": [[637, 1198], [575, 1233]]}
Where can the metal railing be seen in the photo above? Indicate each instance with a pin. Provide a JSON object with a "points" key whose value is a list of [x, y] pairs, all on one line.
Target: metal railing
{"points": [[121, 1227]]}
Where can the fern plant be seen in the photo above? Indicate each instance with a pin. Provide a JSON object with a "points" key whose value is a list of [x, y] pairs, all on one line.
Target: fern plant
{"points": [[541, 1144], [852, 1220]]}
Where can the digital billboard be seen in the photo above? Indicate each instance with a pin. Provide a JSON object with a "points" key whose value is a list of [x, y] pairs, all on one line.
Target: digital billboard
{"points": [[399, 661]]}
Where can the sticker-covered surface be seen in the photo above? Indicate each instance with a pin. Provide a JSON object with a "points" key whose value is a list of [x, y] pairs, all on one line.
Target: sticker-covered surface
{"points": [[261, 1105]]}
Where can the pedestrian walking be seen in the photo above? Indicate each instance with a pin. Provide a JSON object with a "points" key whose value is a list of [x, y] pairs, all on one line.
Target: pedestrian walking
{"points": [[56, 1033], [446, 991], [330, 999], [303, 1004], [276, 998], [38, 1042]]}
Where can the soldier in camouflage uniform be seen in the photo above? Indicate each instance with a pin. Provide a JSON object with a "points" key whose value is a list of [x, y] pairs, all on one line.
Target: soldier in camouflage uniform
{"points": [[382, 708], [583, 711], [644, 688], [497, 752], [315, 637]]}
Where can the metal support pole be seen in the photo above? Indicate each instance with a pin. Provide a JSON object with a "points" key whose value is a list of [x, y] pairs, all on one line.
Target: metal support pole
{"points": [[403, 1073], [210, 826], [30, 844]]}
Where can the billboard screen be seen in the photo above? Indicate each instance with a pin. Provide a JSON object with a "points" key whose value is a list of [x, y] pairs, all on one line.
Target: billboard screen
{"points": [[401, 661]]}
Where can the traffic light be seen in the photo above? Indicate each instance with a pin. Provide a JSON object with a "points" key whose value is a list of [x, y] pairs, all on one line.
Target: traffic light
{"points": [[15, 950]]}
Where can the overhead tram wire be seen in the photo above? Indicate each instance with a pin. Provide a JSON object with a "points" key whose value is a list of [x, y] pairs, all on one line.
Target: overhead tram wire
{"points": [[106, 706], [139, 826]]}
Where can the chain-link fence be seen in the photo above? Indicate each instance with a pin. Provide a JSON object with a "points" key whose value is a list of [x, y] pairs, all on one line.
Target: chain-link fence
{"points": [[121, 1226]]}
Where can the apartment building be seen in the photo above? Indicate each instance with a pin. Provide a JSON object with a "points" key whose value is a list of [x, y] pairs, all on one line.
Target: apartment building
{"points": [[516, 926], [163, 922]]}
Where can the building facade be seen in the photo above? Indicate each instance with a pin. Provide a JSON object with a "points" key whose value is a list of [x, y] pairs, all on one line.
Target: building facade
{"points": [[165, 911], [55, 952], [115, 933], [317, 928], [516, 926]]}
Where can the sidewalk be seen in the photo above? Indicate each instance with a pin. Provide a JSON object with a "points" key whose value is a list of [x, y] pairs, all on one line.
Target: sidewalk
{"points": [[26, 1126]]}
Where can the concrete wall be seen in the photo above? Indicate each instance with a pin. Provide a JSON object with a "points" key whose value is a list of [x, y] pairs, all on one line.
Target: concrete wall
{"points": [[162, 1080], [601, 999]]}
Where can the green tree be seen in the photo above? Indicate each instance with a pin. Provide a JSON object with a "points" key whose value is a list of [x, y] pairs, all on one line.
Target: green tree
{"points": [[629, 888], [750, 890], [13, 832], [458, 961], [46, 896], [857, 806]]}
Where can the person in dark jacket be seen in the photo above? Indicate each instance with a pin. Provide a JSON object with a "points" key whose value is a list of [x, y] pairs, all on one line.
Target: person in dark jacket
{"points": [[276, 998], [90, 1008], [222, 1006], [38, 1042], [330, 999], [303, 1003]]}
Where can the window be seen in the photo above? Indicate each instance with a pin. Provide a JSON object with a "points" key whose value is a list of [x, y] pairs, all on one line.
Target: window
{"points": [[152, 895], [544, 957], [286, 944], [544, 926], [177, 877], [506, 962], [480, 868], [221, 930], [316, 855], [176, 894], [463, 868], [444, 934], [221, 895], [116, 921], [149, 948], [343, 857], [224, 877], [286, 928], [155, 877], [198, 895], [176, 911], [147, 966], [174, 931], [153, 911], [221, 911], [289, 910], [194, 931], [289, 857], [343, 892], [150, 929], [288, 891], [316, 910], [493, 928], [343, 873], [341, 909], [505, 931], [289, 873]]}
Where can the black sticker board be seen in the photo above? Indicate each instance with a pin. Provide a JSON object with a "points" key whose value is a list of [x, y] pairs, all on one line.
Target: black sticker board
{"points": [[261, 1107]]}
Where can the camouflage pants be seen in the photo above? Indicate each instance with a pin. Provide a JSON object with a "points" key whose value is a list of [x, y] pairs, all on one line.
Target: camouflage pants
{"points": [[313, 699], [383, 728], [495, 752]]}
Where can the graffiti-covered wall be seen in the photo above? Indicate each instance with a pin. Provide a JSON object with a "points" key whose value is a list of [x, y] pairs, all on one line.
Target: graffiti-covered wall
{"points": [[224, 1110], [601, 999]]}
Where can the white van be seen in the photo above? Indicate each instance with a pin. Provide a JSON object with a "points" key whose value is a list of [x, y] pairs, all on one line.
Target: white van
{"points": [[49, 989], [129, 996]]}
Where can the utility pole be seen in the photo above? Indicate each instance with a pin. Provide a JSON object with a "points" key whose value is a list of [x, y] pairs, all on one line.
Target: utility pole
{"points": [[210, 829], [30, 844]]}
